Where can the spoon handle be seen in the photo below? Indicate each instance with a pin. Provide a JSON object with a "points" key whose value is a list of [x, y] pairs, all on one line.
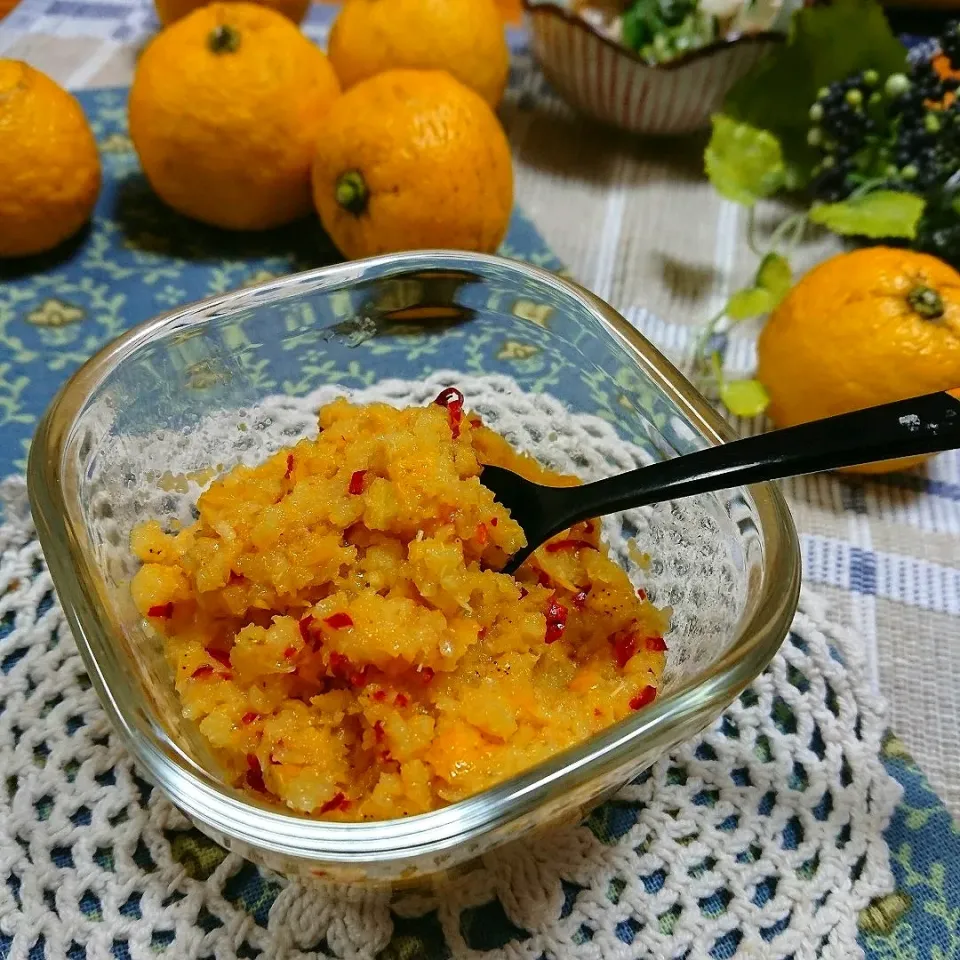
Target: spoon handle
{"points": [[906, 428]]}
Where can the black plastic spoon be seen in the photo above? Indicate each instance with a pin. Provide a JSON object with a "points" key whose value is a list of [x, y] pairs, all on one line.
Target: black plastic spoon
{"points": [[906, 428]]}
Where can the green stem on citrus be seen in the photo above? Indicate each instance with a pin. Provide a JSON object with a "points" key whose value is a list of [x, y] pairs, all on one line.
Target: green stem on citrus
{"points": [[224, 39], [352, 192], [926, 301]]}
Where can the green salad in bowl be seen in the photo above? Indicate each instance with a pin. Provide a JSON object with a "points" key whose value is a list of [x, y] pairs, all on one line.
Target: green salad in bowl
{"points": [[662, 30]]}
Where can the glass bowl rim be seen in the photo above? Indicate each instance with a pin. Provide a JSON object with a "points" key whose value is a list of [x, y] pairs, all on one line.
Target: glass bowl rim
{"points": [[764, 623]]}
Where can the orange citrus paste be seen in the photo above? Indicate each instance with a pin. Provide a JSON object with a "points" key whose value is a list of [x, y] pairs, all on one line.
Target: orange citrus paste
{"points": [[338, 629]]}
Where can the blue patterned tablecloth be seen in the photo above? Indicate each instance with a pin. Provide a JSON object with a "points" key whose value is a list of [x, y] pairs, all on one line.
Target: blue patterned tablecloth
{"points": [[139, 259]]}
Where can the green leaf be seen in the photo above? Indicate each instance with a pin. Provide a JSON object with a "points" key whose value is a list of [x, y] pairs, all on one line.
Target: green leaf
{"points": [[775, 277], [883, 213], [749, 302], [742, 162], [827, 43], [744, 398]]}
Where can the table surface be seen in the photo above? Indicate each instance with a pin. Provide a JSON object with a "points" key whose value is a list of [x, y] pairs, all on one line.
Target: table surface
{"points": [[636, 222]]}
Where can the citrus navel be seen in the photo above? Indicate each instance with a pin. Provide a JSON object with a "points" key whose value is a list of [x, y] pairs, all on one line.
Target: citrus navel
{"points": [[49, 166], [170, 10], [225, 110], [412, 159], [464, 37], [863, 328]]}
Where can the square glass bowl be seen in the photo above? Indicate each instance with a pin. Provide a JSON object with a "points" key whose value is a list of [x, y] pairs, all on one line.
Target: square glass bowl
{"points": [[132, 434]]}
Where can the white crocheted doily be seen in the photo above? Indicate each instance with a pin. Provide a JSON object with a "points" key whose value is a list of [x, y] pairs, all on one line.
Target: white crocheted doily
{"points": [[761, 838]]}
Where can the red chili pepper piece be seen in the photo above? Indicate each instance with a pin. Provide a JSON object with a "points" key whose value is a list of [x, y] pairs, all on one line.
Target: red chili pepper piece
{"points": [[221, 656], [624, 647], [426, 675], [162, 610], [641, 593], [568, 544], [494, 521], [289, 471], [378, 732], [580, 598], [656, 644], [476, 422], [452, 399], [401, 700], [339, 663], [556, 621], [379, 695], [339, 621], [250, 717], [338, 801], [357, 480], [255, 774], [646, 696], [482, 535], [290, 653], [309, 637], [358, 678], [543, 579], [201, 672], [447, 396]]}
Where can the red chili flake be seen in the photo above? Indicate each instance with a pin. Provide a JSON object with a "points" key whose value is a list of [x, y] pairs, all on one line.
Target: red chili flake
{"points": [[202, 672], [339, 662], [289, 471], [426, 675], [568, 544], [379, 695], [646, 696], [235, 578], [255, 774], [556, 621], [641, 593], [338, 801], [624, 647], [357, 480], [378, 732], [290, 653], [162, 610], [401, 700], [579, 599], [452, 399], [250, 717], [656, 644], [524, 592], [358, 678], [482, 535], [447, 396], [494, 521], [481, 633], [308, 636], [543, 579], [339, 621], [221, 656], [476, 422], [597, 712]]}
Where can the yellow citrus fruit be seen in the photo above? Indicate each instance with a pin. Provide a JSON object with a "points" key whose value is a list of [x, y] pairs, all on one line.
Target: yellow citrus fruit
{"points": [[170, 10], [863, 328], [49, 166], [464, 37], [412, 159], [225, 110]]}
